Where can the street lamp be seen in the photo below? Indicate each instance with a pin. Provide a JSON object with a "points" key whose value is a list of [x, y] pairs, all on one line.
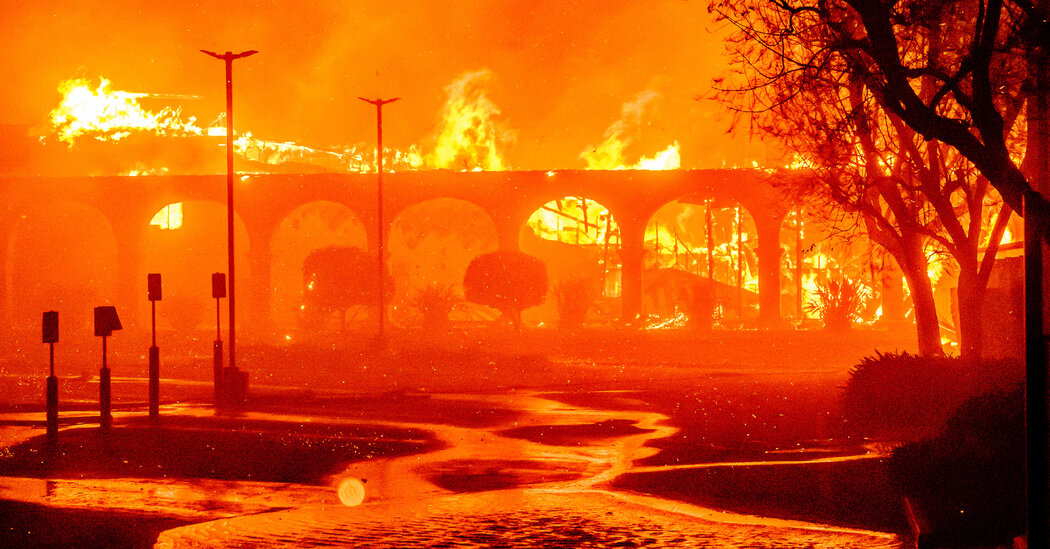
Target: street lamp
{"points": [[379, 213], [228, 58]]}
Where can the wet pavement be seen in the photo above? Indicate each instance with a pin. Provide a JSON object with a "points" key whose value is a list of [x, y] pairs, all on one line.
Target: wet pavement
{"points": [[540, 479], [518, 518]]}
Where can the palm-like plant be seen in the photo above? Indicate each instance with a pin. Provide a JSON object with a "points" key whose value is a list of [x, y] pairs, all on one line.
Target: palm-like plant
{"points": [[838, 303], [435, 301]]}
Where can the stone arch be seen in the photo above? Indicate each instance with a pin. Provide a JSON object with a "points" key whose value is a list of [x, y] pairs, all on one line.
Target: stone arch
{"points": [[433, 242], [579, 240], [61, 255], [310, 226], [186, 256], [707, 239]]}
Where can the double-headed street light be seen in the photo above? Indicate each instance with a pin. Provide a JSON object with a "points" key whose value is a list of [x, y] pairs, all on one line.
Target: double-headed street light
{"points": [[228, 58], [381, 339]]}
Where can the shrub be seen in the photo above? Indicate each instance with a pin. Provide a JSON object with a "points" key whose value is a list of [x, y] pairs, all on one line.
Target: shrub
{"points": [[970, 482], [575, 298], [838, 303], [911, 396], [338, 278], [507, 281], [185, 313], [698, 302], [435, 302]]}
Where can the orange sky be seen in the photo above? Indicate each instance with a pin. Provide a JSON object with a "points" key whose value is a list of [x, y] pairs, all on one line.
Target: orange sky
{"points": [[562, 70]]}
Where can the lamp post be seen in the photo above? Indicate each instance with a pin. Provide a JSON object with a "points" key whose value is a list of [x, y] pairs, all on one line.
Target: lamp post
{"points": [[228, 58], [381, 338]]}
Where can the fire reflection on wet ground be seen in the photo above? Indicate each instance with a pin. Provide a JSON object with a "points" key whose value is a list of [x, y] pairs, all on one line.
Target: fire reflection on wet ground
{"points": [[517, 518], [537, 477]]}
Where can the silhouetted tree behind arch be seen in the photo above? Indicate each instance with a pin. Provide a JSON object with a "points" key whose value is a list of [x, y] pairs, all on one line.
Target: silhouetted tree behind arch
{"points": [[337, 278], [507, 281]]}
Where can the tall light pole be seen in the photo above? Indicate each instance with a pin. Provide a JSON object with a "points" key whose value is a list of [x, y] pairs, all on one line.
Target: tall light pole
{"points": [[228, 58], [379, 214]]}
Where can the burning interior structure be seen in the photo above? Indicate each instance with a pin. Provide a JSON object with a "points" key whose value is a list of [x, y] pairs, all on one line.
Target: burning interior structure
{"points": [[637, 242]]}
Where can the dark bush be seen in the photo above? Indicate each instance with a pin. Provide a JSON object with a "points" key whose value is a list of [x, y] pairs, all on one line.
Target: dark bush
{"points": [[969, 483], [434, 302], [838, 303], [575, 298], [509, 282], [901, 395], [338, 278]]}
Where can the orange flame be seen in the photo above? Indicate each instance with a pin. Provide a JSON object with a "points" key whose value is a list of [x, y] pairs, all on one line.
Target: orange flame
{"points": [[169, 217], [111, 115], [471, 135], [609, 155], [573, 220]]}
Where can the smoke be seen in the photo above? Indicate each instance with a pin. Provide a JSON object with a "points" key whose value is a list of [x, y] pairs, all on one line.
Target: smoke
{"points": [[610, 153], [563, 67]]}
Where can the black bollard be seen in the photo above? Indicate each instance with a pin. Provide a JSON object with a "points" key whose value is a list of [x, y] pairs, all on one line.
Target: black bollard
{"points": [[105, 415], [52, 409], [218, 291], [154, 383], [50, 325], [106, 321], [154, 294], [217, 366]]}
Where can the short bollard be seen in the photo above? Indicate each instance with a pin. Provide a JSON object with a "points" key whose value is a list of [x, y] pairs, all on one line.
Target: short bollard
{"points": [[105, 418], [216, 360], [106, 321], [50, 325], [218, 291], [52, 409], [154, 384], [154, 295]]}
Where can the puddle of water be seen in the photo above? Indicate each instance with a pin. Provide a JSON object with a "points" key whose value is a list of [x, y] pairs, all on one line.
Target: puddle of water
{"points": [[402, 508]]}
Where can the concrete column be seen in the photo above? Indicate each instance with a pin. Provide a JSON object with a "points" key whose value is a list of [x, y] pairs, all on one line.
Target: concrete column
{"points": [[508, 232], [768, 253], [259, 320], [632, 240], [7, 233], [130, 299]]}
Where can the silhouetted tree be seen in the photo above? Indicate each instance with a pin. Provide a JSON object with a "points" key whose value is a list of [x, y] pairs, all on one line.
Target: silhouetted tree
{"points": [[955, 71], [915, 196], [507, 281], [338, 278]]}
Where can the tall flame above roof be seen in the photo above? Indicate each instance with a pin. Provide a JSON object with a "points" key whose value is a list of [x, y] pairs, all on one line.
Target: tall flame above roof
{"points": [[106, 114], [470, 135]]}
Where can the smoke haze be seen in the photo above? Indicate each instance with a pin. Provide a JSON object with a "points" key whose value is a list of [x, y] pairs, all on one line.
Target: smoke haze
{"points": [[560, 71]]}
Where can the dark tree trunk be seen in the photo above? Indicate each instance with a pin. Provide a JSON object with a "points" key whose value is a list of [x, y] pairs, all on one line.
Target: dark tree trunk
{"points": [[971, 301], [927, 326]]}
